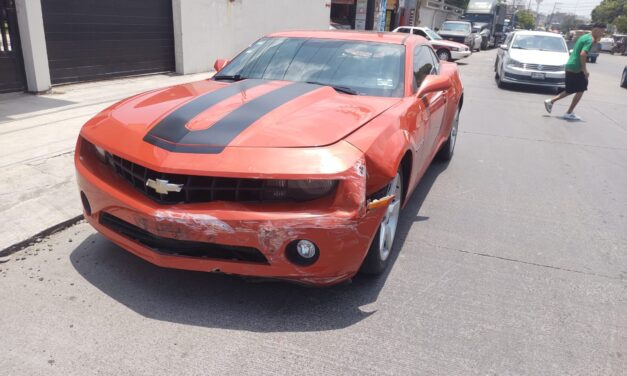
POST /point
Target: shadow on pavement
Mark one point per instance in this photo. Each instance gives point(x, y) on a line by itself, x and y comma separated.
point(544, 90)
point(19, 104)
point(218, 301)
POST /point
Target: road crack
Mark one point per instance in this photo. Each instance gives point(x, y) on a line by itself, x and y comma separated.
point(526, 262)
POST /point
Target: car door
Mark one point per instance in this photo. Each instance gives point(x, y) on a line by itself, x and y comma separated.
point(426, 63)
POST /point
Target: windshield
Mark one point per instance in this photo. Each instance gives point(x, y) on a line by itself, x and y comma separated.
point(432, 34)
point(539, 42)
point(366, 68)
point(456, 26)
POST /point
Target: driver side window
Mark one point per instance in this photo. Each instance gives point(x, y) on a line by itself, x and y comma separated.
point(424, 65)
point(420, 32)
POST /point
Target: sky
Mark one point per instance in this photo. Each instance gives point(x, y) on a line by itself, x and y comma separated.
point(578, 7)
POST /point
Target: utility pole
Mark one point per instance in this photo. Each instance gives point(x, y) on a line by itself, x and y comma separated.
point(537, 9)
point(552, 12)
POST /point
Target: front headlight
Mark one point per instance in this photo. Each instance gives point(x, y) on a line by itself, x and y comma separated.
point(297, 190)
point(87, 149)
point(514, 63)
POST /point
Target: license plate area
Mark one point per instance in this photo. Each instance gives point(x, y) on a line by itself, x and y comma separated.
point(537, 76)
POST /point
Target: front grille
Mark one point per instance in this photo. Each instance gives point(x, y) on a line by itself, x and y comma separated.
point(523, 78)
point(181, 247)
point(461, 40)
point(197, 189)
point(543, 68)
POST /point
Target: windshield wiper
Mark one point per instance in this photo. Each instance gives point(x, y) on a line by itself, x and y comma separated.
point(341, 89)
point(235, 77)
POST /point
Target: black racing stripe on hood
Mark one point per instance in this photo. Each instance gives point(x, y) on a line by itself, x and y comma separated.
point(172, 128)
point(215, 138)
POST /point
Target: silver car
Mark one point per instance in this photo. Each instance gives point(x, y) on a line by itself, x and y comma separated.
point(532, 58)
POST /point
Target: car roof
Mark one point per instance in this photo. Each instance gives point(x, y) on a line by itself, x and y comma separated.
point(364, 36)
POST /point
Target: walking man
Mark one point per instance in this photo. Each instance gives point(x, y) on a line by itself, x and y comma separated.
point(577, 72)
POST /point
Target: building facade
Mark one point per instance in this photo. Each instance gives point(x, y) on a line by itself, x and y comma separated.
point(48, 42)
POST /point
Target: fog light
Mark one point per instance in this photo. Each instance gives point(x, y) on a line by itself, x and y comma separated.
point(302, 252)
point(306, 249)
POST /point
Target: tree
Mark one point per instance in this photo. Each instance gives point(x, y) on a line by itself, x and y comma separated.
point(609, 10)
point(621, 24)
point(525, 19)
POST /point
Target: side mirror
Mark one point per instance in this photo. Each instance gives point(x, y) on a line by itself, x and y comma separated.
point(432, 84)
point(503, 46)
point(219, 64)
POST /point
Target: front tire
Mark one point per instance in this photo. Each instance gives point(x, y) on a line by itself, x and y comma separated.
point(623, 82)
point(446, 151)
point(499, 81)
point(379, 252)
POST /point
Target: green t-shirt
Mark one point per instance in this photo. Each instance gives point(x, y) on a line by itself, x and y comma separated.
point(584, 43)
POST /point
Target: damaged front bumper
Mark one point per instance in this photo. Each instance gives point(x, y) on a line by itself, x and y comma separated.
point(248, 239)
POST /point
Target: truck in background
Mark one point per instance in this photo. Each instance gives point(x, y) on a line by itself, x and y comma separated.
point(487, 18)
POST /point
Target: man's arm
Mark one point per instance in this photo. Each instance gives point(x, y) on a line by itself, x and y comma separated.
point(583, 59)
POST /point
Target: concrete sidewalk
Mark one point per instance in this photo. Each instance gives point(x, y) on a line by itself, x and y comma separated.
point(37, 138)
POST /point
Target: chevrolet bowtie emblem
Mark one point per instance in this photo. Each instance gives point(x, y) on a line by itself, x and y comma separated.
point(163, 186)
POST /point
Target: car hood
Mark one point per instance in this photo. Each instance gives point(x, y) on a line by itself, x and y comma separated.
point(447, 43)
point(538, 57)
point(208, 116)
point(444, 33)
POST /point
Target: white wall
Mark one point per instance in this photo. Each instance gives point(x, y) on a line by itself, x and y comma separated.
point(205, 30)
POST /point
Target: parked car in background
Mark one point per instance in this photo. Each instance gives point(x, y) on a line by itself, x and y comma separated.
point(461, 32)
point(293, 162)
point(606, 44)
point(445, 49)
point(623, 80)
point(532, 58)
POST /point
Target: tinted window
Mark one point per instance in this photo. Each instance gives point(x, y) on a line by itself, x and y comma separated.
point(369, 68)
point(403, 30)
point(423, 65)
point(436, 61)
point(420, 32)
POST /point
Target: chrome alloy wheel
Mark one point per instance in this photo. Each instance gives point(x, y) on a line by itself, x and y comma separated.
point(387, 229)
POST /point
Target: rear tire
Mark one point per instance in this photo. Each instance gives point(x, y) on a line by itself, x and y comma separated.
point(446, 151)
point(444, 54)
point(379, 252)
point(623, 82)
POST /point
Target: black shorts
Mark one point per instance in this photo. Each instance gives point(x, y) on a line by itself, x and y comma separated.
point(576, 82)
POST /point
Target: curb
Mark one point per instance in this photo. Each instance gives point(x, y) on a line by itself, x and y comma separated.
point(34, 239)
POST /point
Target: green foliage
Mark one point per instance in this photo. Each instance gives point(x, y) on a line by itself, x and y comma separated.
point(609, 10)
point(525, 19)
point(621, 24)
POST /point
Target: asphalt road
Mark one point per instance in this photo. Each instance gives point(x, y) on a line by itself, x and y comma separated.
point(510, 260)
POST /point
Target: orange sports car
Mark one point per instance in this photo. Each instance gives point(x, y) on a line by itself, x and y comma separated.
point(292, 162)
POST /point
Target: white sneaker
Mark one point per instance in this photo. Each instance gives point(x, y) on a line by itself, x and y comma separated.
point(571, 116)
point(548, 105)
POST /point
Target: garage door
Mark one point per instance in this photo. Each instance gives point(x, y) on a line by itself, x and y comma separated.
point(98, 39)
point(11, 64)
